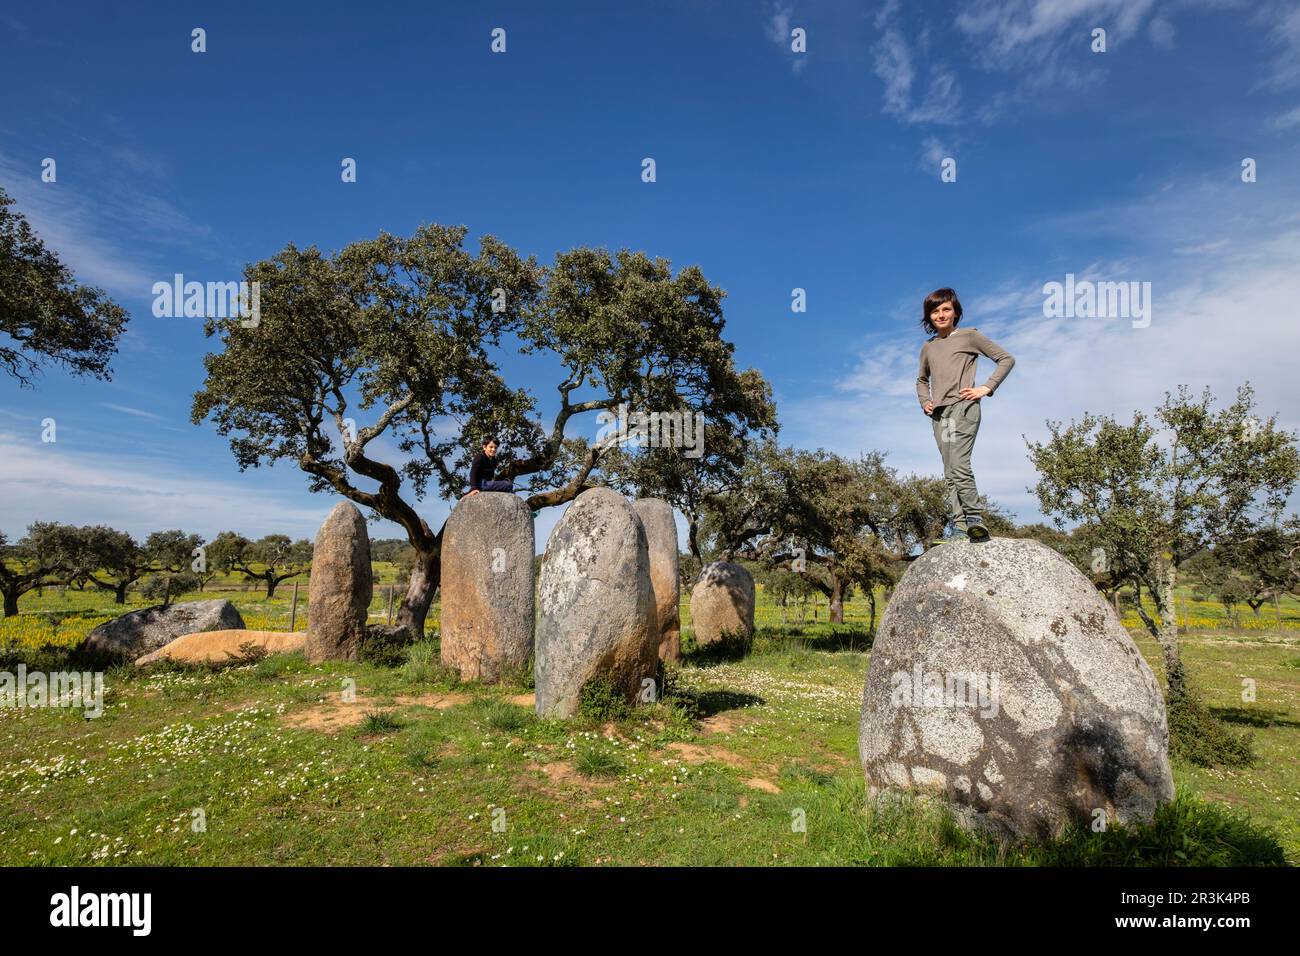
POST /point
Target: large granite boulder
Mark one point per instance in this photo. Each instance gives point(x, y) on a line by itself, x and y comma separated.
point(722, 603)
point(341, 587)
point(487, 586)
point(1003, 682)
point(597, 606)
point(141, 632)
point(661, 539)
point(216, 646)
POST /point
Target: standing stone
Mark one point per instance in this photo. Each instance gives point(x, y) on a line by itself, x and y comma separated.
point(722, 603)
point(487, 586)
point(597, 604)
point(341, 587)
point(1001, 681)
point(661, 538)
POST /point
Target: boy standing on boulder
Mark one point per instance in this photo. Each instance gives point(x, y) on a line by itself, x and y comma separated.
point(947, 392)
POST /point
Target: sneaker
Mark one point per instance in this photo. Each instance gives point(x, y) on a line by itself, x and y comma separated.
point(957, 535)
point(976, 531)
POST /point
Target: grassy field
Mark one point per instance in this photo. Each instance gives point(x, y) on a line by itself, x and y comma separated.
point(750, 761)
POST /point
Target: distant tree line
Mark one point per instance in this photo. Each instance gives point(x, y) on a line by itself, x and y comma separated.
point(165, 564)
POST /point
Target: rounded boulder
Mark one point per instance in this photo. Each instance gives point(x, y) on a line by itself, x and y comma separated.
point(722, 603)
point(1001, 681)
point(142, 632)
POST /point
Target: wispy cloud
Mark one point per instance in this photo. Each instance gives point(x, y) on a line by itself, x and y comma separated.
point(934, 98)
point(1288, 119)
point(1282, 23)
point(131, 411)
point(109, 231)
point(1161, 32)
point(51, 482)
point(1014, 33)
point(778, 27)
point(933, 153)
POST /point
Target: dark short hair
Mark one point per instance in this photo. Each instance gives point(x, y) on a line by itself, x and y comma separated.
point(490, 440)
point(935, 299)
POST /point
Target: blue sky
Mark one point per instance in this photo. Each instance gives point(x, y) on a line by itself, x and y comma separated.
point(775, 170)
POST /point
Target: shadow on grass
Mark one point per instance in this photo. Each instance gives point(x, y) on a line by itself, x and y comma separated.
point(710, 703)
point(728, 648)
point(701, 704)
point(1186, 832)
point(829, 638)
point(1254, 716)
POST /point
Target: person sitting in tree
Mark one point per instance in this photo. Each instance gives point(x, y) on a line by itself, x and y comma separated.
point(482, 473)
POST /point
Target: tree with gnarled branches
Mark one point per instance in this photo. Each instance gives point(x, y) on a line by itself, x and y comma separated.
point(407, 333)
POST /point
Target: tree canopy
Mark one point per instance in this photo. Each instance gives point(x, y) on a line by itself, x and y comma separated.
point(46, 316)
point(404, 338)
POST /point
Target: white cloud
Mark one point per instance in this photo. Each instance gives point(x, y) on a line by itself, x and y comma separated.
point(51, 482)
point(1288, 119)
point(1282, 20)
point(1161, 33)
point(139, 412)
point(1013, 31)
point(107, 235)
point(933, 153)
point(778, 27)
point(893, 64)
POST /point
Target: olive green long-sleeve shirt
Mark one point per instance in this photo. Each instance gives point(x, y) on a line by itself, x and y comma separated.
point(948, 366)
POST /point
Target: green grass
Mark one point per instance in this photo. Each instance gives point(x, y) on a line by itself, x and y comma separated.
point(597, 761)
point(744, 760)
point(379, 722)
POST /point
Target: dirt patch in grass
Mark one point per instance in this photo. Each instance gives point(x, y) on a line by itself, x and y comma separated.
point(524, 700)
point(559, 775)
point(333, 714)
point(758, 783)
point(721, 724)
point(435, 701)
point(694, 753)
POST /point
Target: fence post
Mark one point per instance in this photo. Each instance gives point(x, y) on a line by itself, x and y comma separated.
point(293, 611)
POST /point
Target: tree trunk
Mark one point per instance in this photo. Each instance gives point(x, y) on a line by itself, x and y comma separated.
point(119, 592)
point(271, 582)
point(692, 538)
point(871, 602)
point(11, 602)
point(836, 614)
point(1169, 628)
point(419, 592)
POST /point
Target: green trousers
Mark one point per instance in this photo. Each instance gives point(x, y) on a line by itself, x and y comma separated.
point(955, 428)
